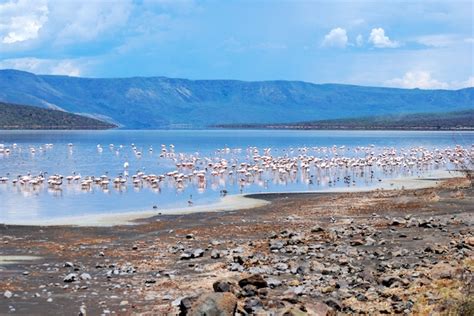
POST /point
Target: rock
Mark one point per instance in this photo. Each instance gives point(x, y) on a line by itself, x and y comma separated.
point(185, 305)
point(317, 229)
point(215, 254)
point(357, 242)
point(319, 309)
point(82, 311)
point(85, 276)
point(388, 281)
point(294, 311)
point(333, 303)
point(71, 277)
point(123, 303)
point(442, 271)
point(190, 236)
point(256, 280)
point(369, 241)
point(273, 283)
point(249, 290)
point(236, 267)
point(397, 222)
point(198, 253)
point(252, 305)
point(281, 266)
point(68, 264)
point(276, 244)
point(185, 256)
point(222, 286)
point(469, 241)
point(361, 297)
point(221, 304)
point(7, 294)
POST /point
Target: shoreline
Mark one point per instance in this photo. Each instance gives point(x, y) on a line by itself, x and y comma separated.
point(402, 246)
point(234, 203)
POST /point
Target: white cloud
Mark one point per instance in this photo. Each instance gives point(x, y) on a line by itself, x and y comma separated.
point(58, 22)
point(21, 20)
point(43, 66)
point(424, 80)
point(380, 40)
point(359, 40)
point(469, 82)
point(85, 20)
point(336, 38)
point(419, 79)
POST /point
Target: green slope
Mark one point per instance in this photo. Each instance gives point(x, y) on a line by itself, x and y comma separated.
point(458, 120)
point(15, 116)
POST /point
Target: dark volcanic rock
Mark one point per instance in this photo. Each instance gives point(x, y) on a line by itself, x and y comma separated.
point(257, 280)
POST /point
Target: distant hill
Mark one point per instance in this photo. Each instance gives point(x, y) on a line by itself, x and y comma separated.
point(15, 116)
point(159, 102)
point(460, 120)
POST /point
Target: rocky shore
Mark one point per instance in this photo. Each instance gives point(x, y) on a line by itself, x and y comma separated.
point(382, 252)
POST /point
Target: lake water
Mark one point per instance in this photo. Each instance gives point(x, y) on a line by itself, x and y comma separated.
point(85, 158)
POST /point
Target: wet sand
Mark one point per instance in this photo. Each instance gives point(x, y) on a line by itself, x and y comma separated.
point(385, 251)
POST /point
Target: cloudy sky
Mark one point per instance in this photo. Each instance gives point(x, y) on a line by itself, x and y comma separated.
point(425, 44)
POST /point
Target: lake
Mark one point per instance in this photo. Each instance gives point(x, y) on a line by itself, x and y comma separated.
point(89, 153)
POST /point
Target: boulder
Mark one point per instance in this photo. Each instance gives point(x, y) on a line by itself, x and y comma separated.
point(210, 304)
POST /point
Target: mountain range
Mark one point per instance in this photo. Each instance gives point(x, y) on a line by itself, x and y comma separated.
point(160, 102)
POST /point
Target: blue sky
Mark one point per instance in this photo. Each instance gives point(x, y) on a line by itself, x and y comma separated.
point(425, 44)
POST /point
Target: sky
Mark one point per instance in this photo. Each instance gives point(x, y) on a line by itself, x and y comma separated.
point(408, 44)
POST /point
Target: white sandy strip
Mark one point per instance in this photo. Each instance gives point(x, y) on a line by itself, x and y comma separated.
point(4, 260)
point(235, 202)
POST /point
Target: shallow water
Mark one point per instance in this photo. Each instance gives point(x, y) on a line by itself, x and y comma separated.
point(84, 158)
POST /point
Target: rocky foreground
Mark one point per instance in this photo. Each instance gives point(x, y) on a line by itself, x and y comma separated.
point(384, 252)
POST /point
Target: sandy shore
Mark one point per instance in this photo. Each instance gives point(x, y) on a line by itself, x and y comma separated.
point(234, 202)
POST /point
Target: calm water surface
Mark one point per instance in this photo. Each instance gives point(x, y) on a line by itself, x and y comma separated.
point(84, 158)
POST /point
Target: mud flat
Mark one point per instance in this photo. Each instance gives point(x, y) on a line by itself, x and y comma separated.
point(404, 250)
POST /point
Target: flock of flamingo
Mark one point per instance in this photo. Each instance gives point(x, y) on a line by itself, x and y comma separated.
point(312, 166)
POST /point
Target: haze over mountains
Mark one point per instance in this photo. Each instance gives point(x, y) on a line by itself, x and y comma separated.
point(159, 102)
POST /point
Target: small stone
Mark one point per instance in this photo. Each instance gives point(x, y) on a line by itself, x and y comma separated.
point(356, 242)
point(273, 283)
point(388, 281)
point(71, 277)
point(198, 253)
point(7, 294)
point(252, 305)
point(317, 229)
point(222, 286)
point(85, 276)
point(276, 245)
point(215, 254)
